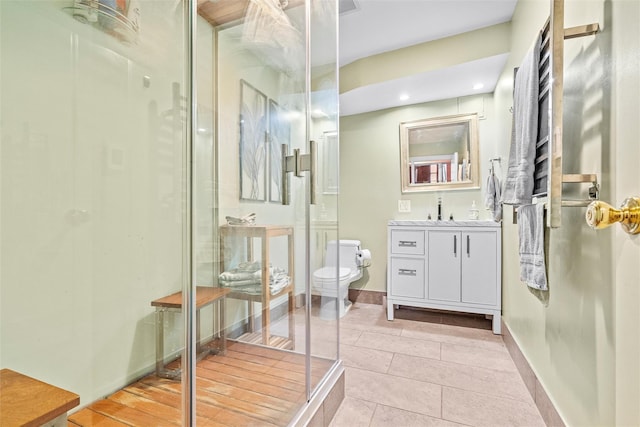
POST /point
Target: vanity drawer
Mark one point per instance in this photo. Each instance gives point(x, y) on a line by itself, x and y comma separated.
point(409, 242)
point(407, 278)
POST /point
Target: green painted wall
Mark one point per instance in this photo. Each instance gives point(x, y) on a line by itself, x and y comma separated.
point(574, 335)
point(370, 176)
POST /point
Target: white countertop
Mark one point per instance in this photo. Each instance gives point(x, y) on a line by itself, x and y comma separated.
point(443, 223)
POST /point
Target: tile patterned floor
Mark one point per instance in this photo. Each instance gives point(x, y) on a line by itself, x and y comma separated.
point(410, 372)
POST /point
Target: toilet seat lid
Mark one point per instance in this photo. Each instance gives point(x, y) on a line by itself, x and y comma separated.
point(329, 273)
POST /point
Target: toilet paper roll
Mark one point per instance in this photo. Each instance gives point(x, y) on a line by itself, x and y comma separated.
point(363, 258)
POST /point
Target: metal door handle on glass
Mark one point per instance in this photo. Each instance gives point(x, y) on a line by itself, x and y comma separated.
point(298, 163)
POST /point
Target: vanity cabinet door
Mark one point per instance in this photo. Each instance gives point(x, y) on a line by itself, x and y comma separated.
point(479, 267)
point(445, 254)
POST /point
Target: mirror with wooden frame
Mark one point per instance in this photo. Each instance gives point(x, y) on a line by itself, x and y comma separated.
point(439, 154)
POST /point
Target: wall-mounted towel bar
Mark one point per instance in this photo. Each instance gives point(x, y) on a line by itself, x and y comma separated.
point(581, 31)
point(594, 190)
point(548, 175)
point(492, 161)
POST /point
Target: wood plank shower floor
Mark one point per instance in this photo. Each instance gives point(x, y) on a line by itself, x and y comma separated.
point(249, 386)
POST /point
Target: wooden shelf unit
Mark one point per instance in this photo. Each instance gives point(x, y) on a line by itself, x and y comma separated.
point(264, 233)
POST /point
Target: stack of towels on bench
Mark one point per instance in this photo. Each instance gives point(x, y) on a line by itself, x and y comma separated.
point(247, 277)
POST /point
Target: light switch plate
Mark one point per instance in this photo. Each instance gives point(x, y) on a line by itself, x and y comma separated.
point(404, 206)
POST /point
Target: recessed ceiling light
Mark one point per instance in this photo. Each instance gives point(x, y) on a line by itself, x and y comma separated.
point(404, 97)
point(478, 86)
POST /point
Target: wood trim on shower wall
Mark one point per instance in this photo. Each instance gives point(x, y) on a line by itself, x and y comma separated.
point(221, 12)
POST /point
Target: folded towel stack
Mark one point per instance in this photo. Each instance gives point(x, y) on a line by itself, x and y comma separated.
point(249, 219)
point(278, 280)
point(247, 277)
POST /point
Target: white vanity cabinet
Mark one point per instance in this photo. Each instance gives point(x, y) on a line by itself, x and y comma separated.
point(448, 265)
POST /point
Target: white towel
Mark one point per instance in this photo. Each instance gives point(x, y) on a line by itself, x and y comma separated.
point(531, 230)
point(247, 277)
point(518, 184)
point(492, 198)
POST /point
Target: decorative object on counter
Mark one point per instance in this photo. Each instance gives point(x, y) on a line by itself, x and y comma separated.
point(474, 213)
point(439, 208)
point(249, 219)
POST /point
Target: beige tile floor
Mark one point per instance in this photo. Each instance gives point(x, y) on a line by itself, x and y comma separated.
point(409, 373)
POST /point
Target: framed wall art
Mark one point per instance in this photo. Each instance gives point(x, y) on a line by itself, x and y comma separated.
point(253, 143)
point(279, 134)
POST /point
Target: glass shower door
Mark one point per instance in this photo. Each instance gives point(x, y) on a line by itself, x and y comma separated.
point(110, 214)
point(266, 87)
point(329, 300)
point(92, 199)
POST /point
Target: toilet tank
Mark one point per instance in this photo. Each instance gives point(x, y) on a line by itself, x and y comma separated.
point(348, 253)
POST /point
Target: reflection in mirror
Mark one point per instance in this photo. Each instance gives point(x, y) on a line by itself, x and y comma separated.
point(439, 153)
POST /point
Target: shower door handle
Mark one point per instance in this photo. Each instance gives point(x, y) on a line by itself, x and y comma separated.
point(287, 165)
point(309, 162)
point(298, 163)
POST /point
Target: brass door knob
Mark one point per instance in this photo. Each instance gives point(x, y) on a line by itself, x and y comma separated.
point(600, 215)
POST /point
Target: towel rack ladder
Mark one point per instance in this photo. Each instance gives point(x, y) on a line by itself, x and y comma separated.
point(549, 176)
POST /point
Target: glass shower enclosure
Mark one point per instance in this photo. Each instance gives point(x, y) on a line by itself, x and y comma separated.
point(168, 185)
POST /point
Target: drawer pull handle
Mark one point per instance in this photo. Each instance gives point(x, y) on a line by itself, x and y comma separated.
point(407, 244)
point(406, 272)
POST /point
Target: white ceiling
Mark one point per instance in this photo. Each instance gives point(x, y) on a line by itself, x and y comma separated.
point(378, 26)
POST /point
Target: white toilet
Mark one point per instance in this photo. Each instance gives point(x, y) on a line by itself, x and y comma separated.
point(324, 279)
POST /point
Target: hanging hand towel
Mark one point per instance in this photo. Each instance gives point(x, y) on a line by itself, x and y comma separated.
point(531, 231)
point(492, 198)
point(518, 184)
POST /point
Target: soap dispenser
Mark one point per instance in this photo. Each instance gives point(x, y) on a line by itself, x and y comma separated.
point(474, 213)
